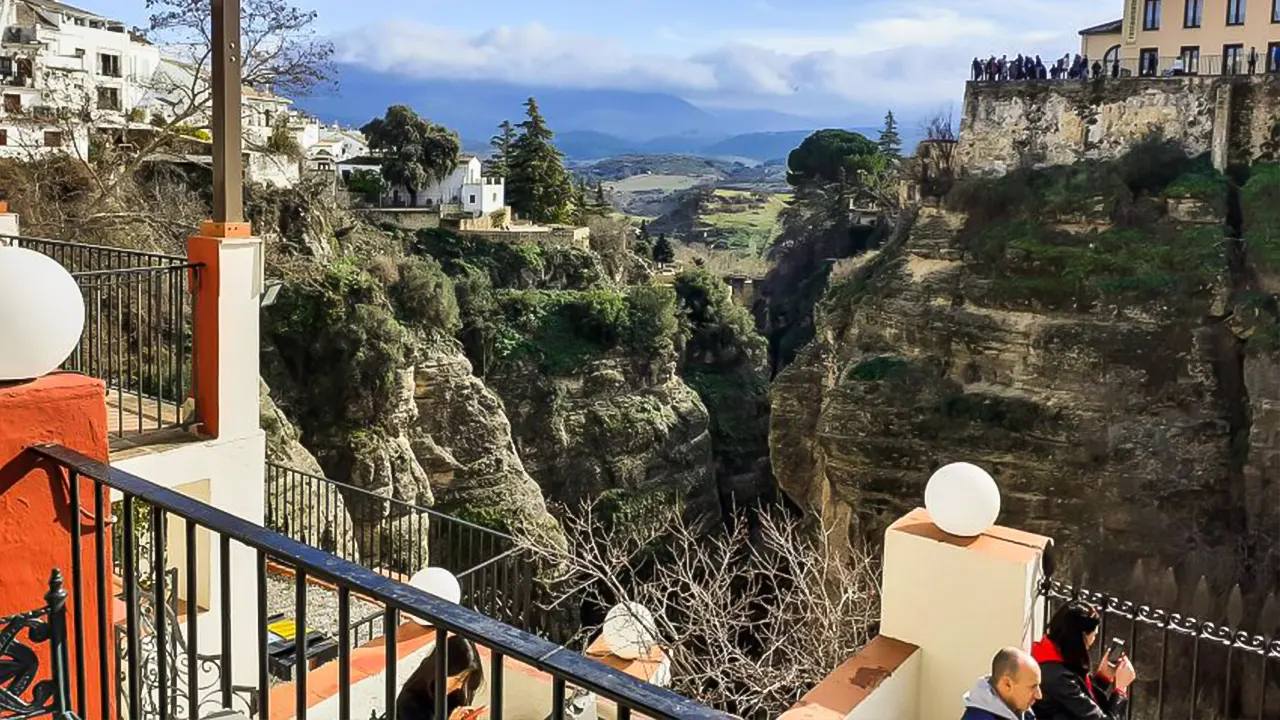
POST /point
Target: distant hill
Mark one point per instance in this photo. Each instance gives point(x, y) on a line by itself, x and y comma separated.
point(631, 165)
point(589, 124)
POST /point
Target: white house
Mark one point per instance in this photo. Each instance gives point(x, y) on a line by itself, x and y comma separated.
point(465, 190)
point(334, 145)
point(58, 59)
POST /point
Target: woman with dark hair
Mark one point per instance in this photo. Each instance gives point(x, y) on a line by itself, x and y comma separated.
point(1071, 691)
point(417, 700)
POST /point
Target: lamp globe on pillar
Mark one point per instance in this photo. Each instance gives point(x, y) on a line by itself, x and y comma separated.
point(962, 499)
point(41, 314)
point(439, 582)
point(629, 630)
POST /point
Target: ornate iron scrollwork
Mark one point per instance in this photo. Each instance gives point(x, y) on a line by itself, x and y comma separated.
point(207, 695)
point(20, 665)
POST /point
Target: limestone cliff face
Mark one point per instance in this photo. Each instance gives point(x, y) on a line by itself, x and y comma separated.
point(618, 424)
point(1118, 429)
point(319, 519)
point(1012, 125)
point(458, 416)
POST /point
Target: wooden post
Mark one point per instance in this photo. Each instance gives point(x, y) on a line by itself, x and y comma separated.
point(228, 178)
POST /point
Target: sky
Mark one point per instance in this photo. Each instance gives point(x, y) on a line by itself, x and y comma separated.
point(827, 58)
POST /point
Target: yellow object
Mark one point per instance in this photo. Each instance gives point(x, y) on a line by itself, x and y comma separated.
point(287, 629)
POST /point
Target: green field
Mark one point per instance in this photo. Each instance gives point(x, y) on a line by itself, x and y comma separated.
point(742, 221)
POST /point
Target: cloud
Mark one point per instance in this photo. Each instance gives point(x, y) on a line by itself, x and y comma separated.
point(909, 55)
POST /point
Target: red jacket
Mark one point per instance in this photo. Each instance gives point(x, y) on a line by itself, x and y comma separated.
point(1067, 694)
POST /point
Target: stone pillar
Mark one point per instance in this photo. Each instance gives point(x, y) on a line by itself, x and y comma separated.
point(36, 521)
point(959, 600)
point(228, 292)
point(1222, 127)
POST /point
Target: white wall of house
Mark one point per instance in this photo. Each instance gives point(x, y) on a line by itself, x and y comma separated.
point(487, 196)
point(26, 140)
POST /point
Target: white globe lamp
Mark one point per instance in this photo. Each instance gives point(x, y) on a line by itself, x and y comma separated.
point(629, 630)
point(439, 582)
point(962, 499)
point(41, 314)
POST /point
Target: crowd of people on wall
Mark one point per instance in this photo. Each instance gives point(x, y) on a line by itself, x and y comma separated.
point(1028, 67)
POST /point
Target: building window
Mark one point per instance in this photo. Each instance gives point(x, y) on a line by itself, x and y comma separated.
point(52, 139)
point(4, 137)
point(6, 66)
point(108, 65)
point(1273, 57)
point(1190, 56)
point(1232, 59)
point(1149, 62)
point(96, 24)
point(1193, 17)
point(13, 103)
point(1111, 60)
point(1235, 12)
point(1275, 11)
point(1151, 15)
point(473, 199)
point(108, 98)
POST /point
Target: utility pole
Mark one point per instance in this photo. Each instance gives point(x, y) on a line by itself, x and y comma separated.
point(228, 169)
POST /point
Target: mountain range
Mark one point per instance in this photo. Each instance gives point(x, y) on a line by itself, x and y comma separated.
point(589, 124)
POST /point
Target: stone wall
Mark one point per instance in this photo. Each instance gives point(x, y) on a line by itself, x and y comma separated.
point(1010, 125)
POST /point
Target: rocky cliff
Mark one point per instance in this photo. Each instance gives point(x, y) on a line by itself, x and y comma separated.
point(1077, 332)
point(613, 425)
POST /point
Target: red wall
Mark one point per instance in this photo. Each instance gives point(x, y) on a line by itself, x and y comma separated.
point(35, 515)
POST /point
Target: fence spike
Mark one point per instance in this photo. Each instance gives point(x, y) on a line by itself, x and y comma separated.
point(1138, 580)
point(1201, 601)
point(1270, 616)
point(1235, 607)
point(1168, 592)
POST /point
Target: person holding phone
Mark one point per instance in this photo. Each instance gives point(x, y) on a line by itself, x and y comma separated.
point(1071, 689)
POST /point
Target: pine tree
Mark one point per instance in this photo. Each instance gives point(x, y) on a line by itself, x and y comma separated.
point(602, 202)
point(663, 252)
point(581, 208)
point(538, 186)
point(644, 229)
point(890, 141)
point(500, 162)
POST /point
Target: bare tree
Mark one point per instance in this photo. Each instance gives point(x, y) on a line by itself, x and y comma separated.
point(751, 618)
point(936, 156)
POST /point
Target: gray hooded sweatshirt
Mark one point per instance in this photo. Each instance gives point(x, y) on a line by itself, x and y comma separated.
point(983, 697)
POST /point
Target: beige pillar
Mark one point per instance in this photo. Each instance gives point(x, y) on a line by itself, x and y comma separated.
point(959, 600)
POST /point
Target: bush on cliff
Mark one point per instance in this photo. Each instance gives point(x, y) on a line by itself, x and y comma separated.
point(1260, 205)
point(562, 331)
point(1071, 237)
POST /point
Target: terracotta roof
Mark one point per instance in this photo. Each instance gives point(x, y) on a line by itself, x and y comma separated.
point(1106, 28)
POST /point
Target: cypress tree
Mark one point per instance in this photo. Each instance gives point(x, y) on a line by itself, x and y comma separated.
point(890, 141)
point(538, 186)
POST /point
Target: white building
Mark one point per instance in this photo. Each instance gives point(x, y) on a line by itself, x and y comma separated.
point(57, 60)
point(335, 144)
point(465, 190)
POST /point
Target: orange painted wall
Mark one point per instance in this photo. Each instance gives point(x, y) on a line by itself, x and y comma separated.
point(35, 515)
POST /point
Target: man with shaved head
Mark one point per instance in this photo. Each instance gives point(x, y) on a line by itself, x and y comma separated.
point(1008, 692)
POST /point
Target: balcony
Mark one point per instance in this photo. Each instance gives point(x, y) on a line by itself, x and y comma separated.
point(138, 332)
point(170, 657)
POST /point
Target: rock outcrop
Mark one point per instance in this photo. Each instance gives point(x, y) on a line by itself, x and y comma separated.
point(1117, 424)
point(616, 425)
point(299, 505)
point(461, 423)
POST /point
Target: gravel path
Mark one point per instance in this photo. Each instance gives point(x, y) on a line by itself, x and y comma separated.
point(322, 608)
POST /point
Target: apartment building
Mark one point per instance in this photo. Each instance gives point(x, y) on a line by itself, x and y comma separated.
point(1191, 37)
point(58, 61)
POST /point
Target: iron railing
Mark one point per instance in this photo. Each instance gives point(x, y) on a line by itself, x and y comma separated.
point(22, 696)
point(566, 667)
point(1151, 66)
point(1187, 667)
point(383, 533)
point(137, 332)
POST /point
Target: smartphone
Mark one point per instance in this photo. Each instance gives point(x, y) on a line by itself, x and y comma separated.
point(1115, 651)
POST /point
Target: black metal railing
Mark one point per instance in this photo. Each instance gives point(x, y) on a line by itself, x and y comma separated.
point(137, 332)
point(1188, 667)
point(386, 534)
point(1163, 66)
point(21, 694)
point(566, 667)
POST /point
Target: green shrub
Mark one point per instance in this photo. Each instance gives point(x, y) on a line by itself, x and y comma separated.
point(1260, 204)
point(878, 368)
point(424, 295)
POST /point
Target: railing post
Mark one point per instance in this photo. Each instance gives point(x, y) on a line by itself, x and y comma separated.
point(60, 664)
point(226, 307)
